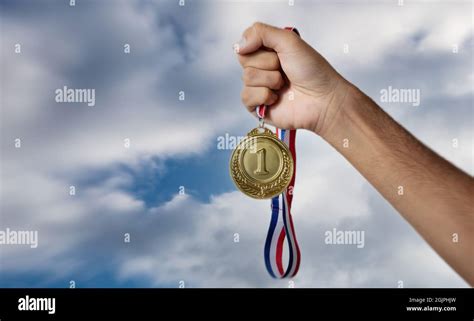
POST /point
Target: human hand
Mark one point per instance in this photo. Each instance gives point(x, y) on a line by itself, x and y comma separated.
point(282, 71)
point(278, 65)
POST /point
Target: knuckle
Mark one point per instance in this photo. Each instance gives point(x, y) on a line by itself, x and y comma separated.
point(267, 95)
point(257, 25)
point(272, 79)
point(250, 30)
point(249, 74)
point(245, 96)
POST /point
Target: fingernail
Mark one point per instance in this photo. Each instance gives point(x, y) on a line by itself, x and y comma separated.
point(241, 44)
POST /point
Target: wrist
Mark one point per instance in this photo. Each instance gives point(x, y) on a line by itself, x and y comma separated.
point(333, 120)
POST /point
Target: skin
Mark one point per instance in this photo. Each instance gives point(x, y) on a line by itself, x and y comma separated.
point(438, 197)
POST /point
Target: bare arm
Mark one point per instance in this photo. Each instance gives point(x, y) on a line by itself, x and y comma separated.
point(434, 196)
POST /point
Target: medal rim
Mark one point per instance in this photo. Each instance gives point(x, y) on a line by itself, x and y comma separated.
point(267, 134)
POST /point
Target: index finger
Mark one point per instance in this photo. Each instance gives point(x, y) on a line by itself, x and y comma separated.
point(261, 59)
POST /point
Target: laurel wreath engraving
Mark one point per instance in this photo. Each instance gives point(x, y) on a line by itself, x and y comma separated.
point(257, 189)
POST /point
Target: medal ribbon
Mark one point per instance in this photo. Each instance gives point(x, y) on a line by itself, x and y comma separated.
point(281, 222)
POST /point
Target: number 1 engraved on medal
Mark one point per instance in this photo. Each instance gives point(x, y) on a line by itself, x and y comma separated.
point(261, 164)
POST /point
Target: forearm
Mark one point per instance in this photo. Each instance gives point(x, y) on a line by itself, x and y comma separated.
point(431, 194)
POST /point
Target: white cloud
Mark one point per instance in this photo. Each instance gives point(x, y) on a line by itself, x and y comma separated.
point(185, 239)
point(129, 107)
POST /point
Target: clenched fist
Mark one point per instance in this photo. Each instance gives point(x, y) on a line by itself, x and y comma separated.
point(282, 71)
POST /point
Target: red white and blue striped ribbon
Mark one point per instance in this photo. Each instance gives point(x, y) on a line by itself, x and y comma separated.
point(281, 223)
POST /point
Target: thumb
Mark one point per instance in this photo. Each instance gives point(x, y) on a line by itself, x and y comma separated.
point(260, 34)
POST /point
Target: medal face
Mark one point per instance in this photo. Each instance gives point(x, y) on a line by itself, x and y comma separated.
point(261, 165)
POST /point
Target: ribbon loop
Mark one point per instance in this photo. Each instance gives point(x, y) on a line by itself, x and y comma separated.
point(260, 111)
point(281, 222)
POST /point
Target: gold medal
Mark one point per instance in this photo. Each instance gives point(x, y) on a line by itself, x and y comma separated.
point(261, 165)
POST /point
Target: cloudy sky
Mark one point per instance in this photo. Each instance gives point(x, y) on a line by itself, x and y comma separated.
point(173, 143)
